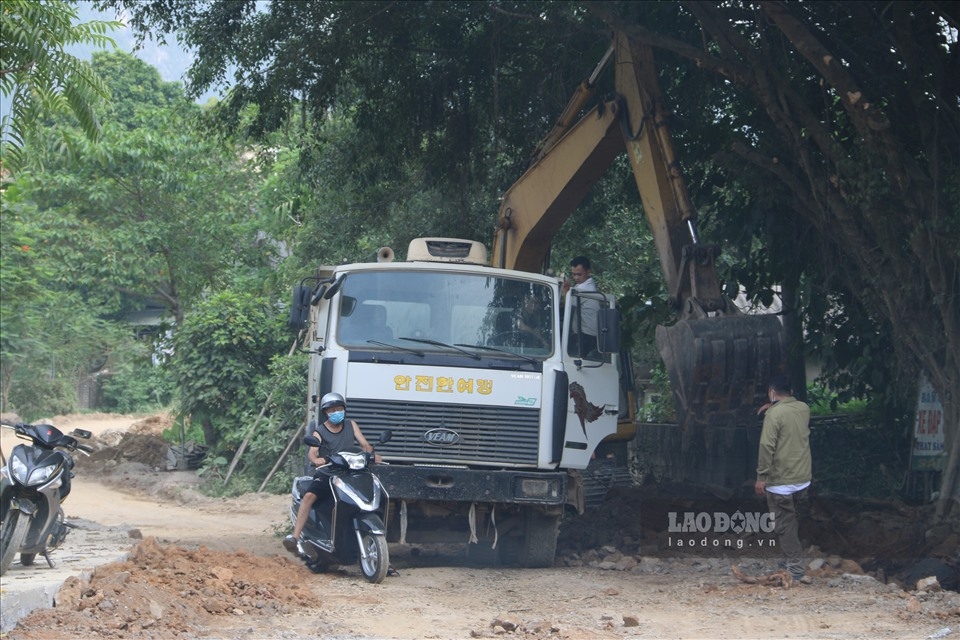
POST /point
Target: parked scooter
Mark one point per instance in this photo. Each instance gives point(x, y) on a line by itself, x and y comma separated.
point(349, 523)
point(33, 484)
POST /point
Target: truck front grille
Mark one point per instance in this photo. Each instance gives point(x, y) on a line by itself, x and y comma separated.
point(487, 435)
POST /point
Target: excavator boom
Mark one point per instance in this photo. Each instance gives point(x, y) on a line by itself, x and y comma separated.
point(719, 361)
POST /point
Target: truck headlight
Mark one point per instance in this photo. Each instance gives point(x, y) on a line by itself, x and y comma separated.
point(537, 488)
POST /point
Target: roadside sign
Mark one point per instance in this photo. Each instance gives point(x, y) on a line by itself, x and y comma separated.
point(928, 440)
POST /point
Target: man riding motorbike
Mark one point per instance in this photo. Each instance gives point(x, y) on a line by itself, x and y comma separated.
point(337, 434)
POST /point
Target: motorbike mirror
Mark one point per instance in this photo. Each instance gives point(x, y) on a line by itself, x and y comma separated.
point(81, 433)
point(311, 441)
point(385, 436)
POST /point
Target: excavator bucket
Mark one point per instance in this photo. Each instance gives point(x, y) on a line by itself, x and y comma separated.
point(720, 367)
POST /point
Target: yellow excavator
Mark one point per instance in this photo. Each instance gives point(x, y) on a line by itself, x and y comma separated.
point(718, 359)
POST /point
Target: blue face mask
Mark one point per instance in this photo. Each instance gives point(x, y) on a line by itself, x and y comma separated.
point(336, 417)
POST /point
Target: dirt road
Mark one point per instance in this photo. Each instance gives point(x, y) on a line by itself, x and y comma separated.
point(214, 568)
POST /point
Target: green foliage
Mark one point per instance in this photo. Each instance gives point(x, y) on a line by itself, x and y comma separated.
point(137, 385)
point(661, 408)
point(866, 455)
point(223, 350)
point(45, 363)
point(39, 77)
point(117, 213)
point(285, 415)
point(213, 468)
point(40, 393)
point(823, 402)
point(50, 341)
point(136, 89)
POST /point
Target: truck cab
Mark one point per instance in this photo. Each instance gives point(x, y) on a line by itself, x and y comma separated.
point(494, 399)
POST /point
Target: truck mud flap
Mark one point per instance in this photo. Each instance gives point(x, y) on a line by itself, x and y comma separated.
point(719, 367)
point(407, 482)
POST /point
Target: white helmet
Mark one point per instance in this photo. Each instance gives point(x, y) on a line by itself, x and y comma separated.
point(332, 400)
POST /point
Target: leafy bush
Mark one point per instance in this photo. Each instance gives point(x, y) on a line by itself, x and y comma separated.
point(281, 423)
point(222, 352)
point(662, 408)
point(823, 402)
point(41, 394)
point(138, 386)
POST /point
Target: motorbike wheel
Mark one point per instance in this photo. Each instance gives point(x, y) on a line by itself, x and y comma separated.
point(26, 559)
point(15, 527)
point(375, 566)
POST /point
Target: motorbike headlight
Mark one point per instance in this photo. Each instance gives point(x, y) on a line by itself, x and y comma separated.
point(40, 475)
point(354, 460)
point(18, 469)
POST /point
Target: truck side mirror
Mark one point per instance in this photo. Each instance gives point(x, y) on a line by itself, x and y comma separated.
point(608, 338)
point(300, 309)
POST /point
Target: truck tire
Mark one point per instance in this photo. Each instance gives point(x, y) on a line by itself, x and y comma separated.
point(482, 553)
point(14, 530)
point(538, 547)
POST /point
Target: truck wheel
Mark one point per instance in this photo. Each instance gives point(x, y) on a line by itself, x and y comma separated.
point(538, 547)
point(483, 554)
point(14, 530)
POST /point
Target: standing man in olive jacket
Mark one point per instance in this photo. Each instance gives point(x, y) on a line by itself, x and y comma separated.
point(784, 465)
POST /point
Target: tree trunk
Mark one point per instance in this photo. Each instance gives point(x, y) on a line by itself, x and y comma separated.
point(210, 436)
point(793, 334)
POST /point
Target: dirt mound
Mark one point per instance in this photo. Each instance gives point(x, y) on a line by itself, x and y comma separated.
point(153, 425)
point(170, 592)
point(114, 449)
point(142, 442)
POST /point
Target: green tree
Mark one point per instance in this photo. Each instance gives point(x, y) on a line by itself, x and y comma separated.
point(157, 210)
point(50, 340)
point(135, 88)
point(821, 138)
point(860, 134)
point(39, 77)
point(223, 350)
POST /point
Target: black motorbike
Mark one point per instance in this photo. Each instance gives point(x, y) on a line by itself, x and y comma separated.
point(347, 524)
point(33, 484)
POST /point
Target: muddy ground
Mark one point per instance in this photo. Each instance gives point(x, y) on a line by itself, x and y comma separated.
point(203, 567)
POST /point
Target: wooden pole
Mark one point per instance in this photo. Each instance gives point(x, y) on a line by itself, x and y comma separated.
point(283, 456)
point(253, 427)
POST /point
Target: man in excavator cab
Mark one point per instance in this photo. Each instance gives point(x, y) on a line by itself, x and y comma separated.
point(583, 343)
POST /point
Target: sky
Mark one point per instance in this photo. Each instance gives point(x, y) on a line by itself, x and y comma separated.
point(170, 60)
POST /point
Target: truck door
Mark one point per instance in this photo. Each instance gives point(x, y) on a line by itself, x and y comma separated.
point(590, 360)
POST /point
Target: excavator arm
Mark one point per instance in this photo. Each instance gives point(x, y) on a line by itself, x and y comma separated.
point(718, 360)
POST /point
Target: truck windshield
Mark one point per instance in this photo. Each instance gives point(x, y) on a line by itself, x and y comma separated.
point(378, 309)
